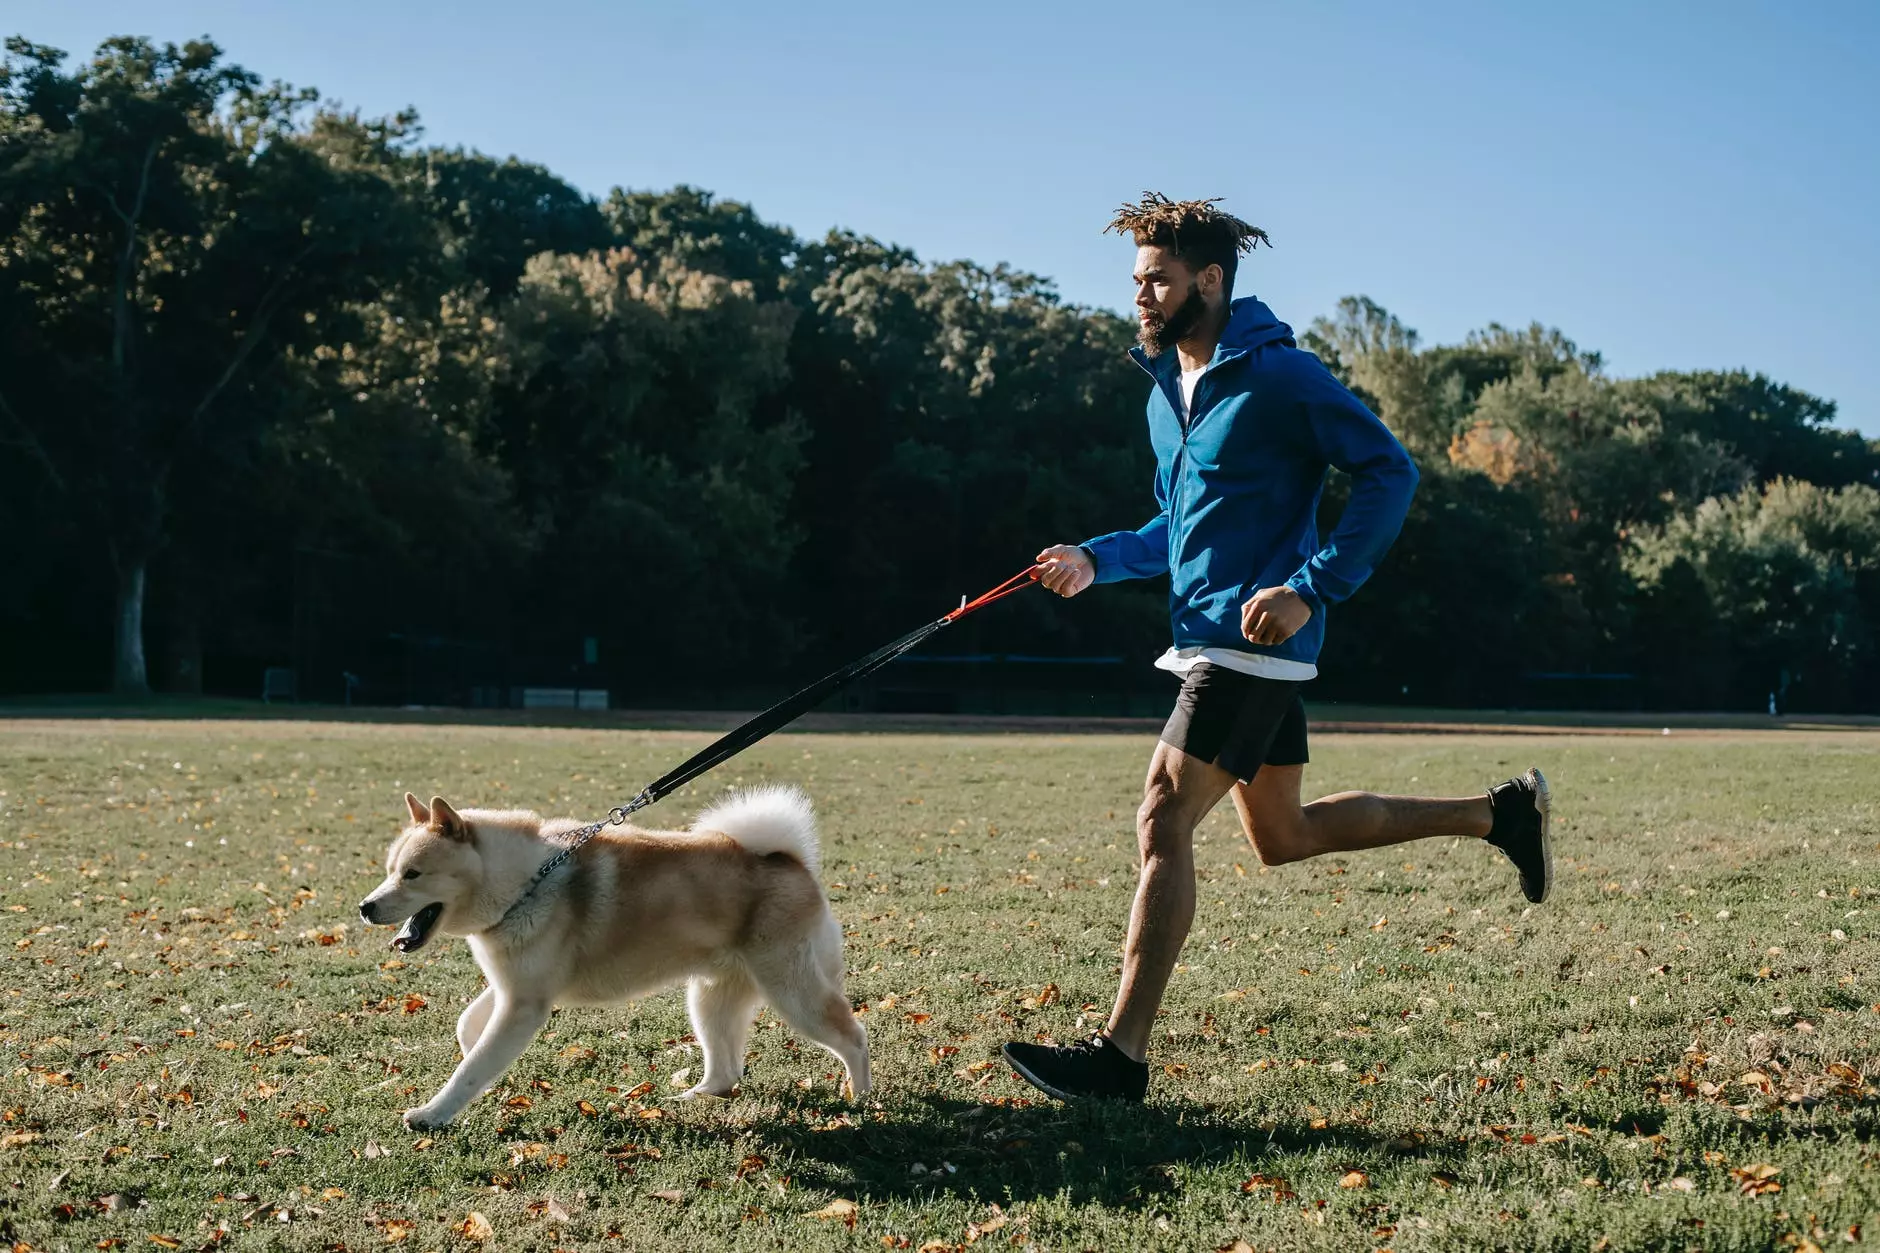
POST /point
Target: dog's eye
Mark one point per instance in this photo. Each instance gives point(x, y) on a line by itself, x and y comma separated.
point(409, 874)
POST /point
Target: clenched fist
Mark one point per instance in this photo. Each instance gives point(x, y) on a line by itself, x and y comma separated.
point(1068, 569)
point(1274, 615)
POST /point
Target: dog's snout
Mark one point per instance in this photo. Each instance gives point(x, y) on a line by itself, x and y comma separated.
point(369, 910)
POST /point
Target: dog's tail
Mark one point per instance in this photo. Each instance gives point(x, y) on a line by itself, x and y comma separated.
point(767, 820)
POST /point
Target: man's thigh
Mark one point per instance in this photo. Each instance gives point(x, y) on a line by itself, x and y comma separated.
point(1271, 813)
point(1180, 789)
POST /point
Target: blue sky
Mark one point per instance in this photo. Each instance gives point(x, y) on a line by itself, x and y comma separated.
point(1678, 185)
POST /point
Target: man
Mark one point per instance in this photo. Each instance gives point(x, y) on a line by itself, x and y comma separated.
point(1244, 425)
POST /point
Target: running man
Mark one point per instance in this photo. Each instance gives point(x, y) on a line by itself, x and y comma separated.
point(1244, 425)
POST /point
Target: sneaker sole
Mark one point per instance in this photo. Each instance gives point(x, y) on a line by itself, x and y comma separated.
point(1057, 1094)
point(1543, 801)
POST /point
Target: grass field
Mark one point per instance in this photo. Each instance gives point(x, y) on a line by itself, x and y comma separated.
point(1385, 1051)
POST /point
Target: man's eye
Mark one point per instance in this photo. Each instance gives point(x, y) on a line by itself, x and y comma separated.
point(409, 874)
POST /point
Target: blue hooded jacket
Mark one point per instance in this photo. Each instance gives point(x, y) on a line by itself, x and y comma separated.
point(1239, 487)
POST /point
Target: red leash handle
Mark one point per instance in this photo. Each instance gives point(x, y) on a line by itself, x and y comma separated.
point(1012, 586)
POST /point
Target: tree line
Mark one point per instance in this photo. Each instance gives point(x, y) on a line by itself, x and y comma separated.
point(281, 384)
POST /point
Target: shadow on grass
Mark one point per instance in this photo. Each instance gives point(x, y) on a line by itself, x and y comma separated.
point(1109, 1154)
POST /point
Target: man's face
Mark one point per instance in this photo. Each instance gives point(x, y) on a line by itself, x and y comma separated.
point(1170, 304)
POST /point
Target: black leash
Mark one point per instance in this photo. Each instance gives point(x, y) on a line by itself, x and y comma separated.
point(743, 736)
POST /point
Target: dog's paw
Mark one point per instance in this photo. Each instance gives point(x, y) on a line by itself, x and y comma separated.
point(700, 1090)
point(424, 1118)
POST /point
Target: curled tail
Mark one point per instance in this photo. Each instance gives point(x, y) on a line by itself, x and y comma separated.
point(767, 820)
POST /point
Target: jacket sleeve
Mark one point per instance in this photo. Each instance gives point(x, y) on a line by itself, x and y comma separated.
point(1383, 481)
point(1138, 554)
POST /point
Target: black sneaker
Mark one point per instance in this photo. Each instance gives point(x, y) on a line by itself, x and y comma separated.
point(1520, 806)
point(1088, 1068)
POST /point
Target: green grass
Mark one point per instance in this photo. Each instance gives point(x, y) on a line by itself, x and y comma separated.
point(203, 1039)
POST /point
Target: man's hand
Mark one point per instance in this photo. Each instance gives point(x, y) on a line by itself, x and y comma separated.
point(1273, 615)
point(1068, 569)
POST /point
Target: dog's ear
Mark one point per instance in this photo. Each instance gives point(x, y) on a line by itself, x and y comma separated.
point(419, 813)
point(448, 820)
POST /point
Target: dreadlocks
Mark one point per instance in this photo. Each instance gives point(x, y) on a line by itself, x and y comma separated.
point(1194, 230)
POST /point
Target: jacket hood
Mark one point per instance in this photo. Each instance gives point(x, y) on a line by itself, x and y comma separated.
point(1250, 325)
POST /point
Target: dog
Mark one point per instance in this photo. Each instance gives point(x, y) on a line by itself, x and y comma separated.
point(732, 907)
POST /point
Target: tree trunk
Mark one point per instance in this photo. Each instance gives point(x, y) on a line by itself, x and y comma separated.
point(128, 674)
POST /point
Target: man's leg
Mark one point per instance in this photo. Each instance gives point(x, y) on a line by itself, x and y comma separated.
point(1283, 830)
point(1178, 795)
point(1180, 792)
point(1513, 816)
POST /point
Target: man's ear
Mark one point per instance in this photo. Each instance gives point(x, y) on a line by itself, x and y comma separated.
point(1213, 279)
point(447, 820)
point(419, 813)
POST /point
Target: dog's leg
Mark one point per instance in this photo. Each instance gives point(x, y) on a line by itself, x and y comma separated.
point(474, 1018)
point(721, 1008)
point(805, 986)
point(511, 1026)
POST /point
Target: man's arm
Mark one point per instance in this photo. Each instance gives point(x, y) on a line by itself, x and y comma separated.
point(1138, 554)
point(1383, 481)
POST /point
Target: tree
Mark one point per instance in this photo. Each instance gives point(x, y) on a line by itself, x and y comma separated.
point(1779, 431)
point(627, 414)
point(171, 230)
point(498, 214)
point(702, 232)
point(1791, 573)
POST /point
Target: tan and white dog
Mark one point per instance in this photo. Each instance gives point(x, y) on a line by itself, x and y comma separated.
point(732, 906)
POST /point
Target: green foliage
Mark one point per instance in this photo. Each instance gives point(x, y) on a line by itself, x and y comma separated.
point(1789, 575)
point(320, 388)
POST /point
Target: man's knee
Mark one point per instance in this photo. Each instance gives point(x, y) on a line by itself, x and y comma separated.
point(1278, 838)
point(1163, 827)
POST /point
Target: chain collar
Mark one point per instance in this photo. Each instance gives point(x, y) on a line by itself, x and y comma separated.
point(615, 817)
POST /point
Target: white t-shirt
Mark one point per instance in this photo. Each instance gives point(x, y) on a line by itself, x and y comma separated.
point(1182, 660)
point(1189, 379)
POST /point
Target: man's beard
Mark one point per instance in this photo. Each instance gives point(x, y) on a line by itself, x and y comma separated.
point(1160, 334)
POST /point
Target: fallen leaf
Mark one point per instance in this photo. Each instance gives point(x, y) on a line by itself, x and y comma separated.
point(680, 1078)
point(476, 1227)
point(670, 1194)
point(1238, 1246)
point(168, 1242)
point(1680, 1184)
point(14, 1139)
point(579, 1052)
point(1354, 1179)
point(1443, 1179)
point(840, 1209)
point(976, 1230)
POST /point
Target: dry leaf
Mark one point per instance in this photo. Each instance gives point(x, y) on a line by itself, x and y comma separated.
point(579, 1052)
point(14, 1139)
point(670, 1194)
point(1354, 1179)
point(976, 1230)
point(476, 1227)
point(1238, 1246)
point(840, 1209)
point(168, 1242)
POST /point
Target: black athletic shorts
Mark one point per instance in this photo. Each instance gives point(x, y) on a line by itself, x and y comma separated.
point(1239, 722)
